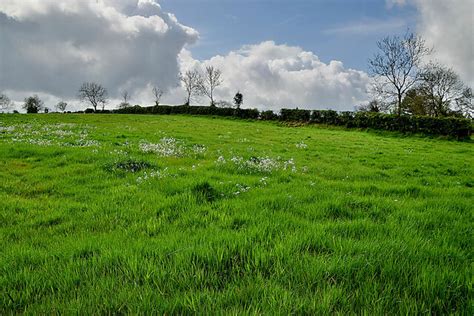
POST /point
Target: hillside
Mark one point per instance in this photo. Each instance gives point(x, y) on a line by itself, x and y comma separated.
point(179, 214)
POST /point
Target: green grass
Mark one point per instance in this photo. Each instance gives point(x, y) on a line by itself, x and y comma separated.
point(237, 217)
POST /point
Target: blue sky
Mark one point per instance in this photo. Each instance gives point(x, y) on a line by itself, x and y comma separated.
point(345, 30)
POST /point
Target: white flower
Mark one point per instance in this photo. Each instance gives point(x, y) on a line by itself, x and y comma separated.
point(258, 164)
point(199, 149)
point(167, 147)
point(301, 145)
point(220, 160)
point(157, 174)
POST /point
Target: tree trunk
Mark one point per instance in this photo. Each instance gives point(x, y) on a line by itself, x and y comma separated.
point(399, 112)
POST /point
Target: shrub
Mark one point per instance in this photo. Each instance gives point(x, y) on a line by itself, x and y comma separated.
point(329, 117)
point(247, 113)
point(268, 115)
point(33, 104)
point(346, 119)
point(447, 126)
point(131, 110)
point(295, 115)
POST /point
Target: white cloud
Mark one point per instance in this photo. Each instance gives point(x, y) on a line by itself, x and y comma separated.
point(51, 47)
point(274, 76)
point(448, 26)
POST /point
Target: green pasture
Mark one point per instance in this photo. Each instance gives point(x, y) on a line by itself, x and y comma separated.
point(136, 214)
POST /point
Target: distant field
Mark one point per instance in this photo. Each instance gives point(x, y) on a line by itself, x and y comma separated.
point(115, 214)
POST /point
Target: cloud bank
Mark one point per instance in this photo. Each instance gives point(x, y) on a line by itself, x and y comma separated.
point(53, 46)
point(272, 76)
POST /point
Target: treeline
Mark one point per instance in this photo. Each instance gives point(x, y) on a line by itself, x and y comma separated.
point(459, 128)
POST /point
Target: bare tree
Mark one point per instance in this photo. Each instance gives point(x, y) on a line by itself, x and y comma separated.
point(464, 103)
point(5, 102)
point(157, 94)
point(441, 87)
point(192, 82)
point(212, 79)
point(61, 106)
point(125, 98)
point(93, 93)
point(397, 64)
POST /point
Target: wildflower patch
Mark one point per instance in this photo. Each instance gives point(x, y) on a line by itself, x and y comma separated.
point(154, 174)
point(256, 164)
point(171, 147)
point(66, 134)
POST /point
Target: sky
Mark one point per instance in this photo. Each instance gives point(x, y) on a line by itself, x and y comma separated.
point(279, 53)
point(345, 30)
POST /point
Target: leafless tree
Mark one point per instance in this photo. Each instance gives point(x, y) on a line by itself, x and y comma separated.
point(442, 87)
point(192, 82)
point(157, 94)
point(125, 98)
point(5, 102)
point(212, 79)
point(93, 93)
point(396, 66)
point(464, 103)
point(61, 106)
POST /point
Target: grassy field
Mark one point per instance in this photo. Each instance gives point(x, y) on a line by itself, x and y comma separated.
point(110, 214)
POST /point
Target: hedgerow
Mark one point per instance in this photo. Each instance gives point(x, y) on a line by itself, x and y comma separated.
point(443, 126)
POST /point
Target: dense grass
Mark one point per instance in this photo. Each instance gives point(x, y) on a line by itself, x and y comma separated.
point(176, 214)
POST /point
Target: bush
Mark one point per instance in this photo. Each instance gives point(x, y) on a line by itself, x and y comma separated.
point(446, 126)
point(346, 119)
point(295, 115)
point(131, 110)
point(247, 113)
point(104, 111)
point(33, 104)
point(268, 116)
point(329, 117)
